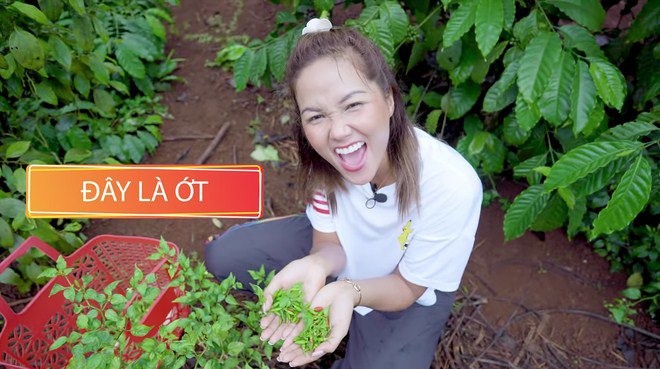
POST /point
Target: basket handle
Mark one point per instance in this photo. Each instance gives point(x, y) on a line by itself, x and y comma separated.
point(30, 242)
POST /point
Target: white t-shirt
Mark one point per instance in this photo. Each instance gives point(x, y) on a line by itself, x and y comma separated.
point(431, 246)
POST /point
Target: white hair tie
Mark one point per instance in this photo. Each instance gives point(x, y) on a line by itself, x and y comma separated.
point(317, 25)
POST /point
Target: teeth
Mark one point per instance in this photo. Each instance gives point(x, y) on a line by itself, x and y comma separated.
point(347, 150)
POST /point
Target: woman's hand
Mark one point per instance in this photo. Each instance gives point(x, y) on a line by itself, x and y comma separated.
point(341, 298)
point(306, 271)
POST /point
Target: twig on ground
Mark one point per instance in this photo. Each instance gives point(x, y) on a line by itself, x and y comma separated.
point(216, 140)
point(187, 137)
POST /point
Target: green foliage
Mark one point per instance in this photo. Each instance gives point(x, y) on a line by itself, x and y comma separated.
point(218, 332)
point(289, 307)
point(77, 85)
point(538, 97)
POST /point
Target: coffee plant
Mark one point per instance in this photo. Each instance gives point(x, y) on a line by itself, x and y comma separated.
point(78, 84)
point(532, 90)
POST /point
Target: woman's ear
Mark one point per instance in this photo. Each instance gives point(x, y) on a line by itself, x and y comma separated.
point(389, 99)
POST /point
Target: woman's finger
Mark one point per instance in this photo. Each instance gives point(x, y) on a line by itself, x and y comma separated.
point(270, 329)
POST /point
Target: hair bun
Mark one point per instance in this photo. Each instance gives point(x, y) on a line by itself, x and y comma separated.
point(317, 25)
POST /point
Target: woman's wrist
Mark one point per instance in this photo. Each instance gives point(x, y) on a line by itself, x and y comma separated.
point(355, 289)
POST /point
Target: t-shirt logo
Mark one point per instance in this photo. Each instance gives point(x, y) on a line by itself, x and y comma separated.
point(404, 237)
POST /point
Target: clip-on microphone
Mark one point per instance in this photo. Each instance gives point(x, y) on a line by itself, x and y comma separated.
point(378, 197)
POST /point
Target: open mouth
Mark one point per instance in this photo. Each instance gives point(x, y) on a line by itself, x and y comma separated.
point(352, 157)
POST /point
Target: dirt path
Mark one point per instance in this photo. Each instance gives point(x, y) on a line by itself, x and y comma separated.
point(554, 276)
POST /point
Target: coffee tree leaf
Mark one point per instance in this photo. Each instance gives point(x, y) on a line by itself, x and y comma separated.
point(460, 22)
point(586, 159)
point(589, 13)
point(583, 97)
point(537, 64)
point(629, 198)
point(524, 210)
point(610, 83)
point(488, 23)
point(556, 99)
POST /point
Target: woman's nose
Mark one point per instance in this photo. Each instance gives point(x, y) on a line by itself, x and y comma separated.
point(340, 127)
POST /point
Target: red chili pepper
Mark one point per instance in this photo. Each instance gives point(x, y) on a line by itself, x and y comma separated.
point(318, 308)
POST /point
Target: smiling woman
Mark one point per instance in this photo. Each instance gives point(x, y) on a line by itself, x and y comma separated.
point(390, 221)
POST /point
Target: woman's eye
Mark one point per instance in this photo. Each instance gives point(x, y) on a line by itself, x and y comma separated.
point(314, 118)
point(353, 105)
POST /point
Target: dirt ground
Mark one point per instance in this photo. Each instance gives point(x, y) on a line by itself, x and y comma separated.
point(527, 290)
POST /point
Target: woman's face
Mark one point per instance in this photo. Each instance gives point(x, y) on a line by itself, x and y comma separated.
point(346, 119)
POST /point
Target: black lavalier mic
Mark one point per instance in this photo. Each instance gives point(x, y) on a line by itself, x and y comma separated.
point(378, 197)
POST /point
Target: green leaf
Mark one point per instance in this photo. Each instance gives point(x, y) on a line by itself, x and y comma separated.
point(104, 102)
point(589, 13)
point(140, 330)
point(586, 159)
point(378, 32)
point(99, 69)
point(528, 27)
point(78, 138)
point(460, 22)
point(9, 276)
point(492, 158)
point(470, 57)
point(489, 19)
point(472, 124)
point(242, 68)
point(26, 49)
point(150, 142)
point(16, 149)
point(504, 91)
point(512, 134)
point(277, 57)
point(258, 66)
point(83, 33)
point(460, 99)
point(449, 57)
point(508, 13)
point(635, 280)
point(51, 8)
point(627, 131)
point(30, 11)
point(596, 118)
point(417, 54)
point(60, 51)
point(552, 216)
point(583, 97)
point(140, 46)
point(6, 234)
point(76, 155)
point(82, 84)
point(156, 27)
point(601, 177)
point(265, 153)
point(134, 147)
point(575, 216)
point(555, 102)
point(526, 115)
point(58, 343)
point(432, 121)
point(78, 6)
point(628, 199)
point(537, 64)
point(45, 92)
point(632, 293)
point(478, 142)
point(118, 86)
point(646, 23)
point(610, 83)
point(526, 168)
point(397, 20)
point(523, 211)
point(130, 62)
point(576, 37)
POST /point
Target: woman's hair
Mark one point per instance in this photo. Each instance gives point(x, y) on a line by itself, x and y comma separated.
point(314, 171)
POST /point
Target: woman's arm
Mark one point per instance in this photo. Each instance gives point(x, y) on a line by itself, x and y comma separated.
point(389, 293)
point(327, 253)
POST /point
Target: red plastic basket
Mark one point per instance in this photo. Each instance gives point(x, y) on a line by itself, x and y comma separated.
point(27, 335)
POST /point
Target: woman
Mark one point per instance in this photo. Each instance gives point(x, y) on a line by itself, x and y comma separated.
point(392, 213)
